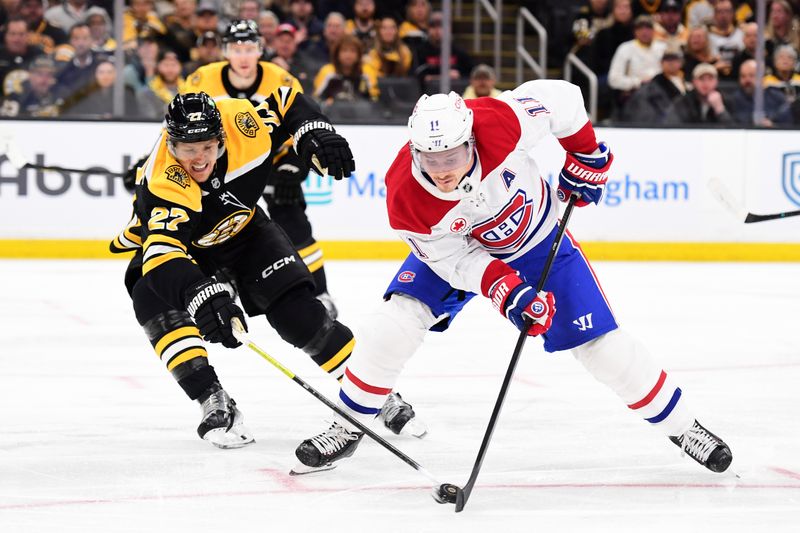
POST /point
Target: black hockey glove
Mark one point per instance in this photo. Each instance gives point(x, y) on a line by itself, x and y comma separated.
point(212, 308)
point(288, 177)
point(325, 150)
point(129, 178)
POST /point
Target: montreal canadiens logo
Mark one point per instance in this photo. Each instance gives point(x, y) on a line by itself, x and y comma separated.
point(507, 228)
point(406, 276)
point(458, 225)
point(537, 308)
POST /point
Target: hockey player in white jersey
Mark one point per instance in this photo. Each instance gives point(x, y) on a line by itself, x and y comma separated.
point(468, 198)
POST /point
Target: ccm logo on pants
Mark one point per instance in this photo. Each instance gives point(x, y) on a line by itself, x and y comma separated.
point(277, 265)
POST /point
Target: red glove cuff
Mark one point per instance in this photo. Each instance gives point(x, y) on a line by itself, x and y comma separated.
point(496, 270)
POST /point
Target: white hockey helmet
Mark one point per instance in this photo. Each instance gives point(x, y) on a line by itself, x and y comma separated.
point(440, 122)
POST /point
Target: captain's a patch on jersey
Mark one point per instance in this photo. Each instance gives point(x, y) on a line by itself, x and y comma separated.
point(246, 123)
point(177, 174)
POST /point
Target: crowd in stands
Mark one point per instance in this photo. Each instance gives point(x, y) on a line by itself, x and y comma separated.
point(59, 59)
point(690, 62)
point(658, 61)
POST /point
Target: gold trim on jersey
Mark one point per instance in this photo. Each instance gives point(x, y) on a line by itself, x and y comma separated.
point(227, 228)
point(168, 180)
point(127, 240)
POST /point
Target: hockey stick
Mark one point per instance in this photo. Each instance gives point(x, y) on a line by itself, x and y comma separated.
point(462, 494)
point(723, 194)
point(239, 333)
point(18, 160)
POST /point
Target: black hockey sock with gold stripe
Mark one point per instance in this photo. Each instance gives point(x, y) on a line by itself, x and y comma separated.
point(177, 342)
point(332, 351)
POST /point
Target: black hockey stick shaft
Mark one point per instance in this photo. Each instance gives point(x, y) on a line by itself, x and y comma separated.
point(751, 217)
point(78, 170)
point(239, 332)
point(463, 495)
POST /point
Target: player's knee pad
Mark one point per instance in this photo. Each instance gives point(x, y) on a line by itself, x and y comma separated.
point(620, 361)
point(390, 336)
point(176, 340)
point(299, 317)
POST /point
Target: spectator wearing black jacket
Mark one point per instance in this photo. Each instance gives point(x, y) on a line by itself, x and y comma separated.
point(702, 105)
point(776, 108)
point(649, 104)
point(429, 56)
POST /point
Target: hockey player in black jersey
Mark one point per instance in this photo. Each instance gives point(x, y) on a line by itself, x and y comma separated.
point(244, 75)
point(195, 212)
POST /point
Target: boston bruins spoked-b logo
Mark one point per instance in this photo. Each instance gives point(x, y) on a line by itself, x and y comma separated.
point(177, 174)
point(227, 228)
point(246, 123)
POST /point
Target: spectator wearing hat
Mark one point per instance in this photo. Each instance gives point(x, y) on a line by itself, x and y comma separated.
point(40, 32)
point(725, 37)
point(67, 13)
point(181, 36)
point(776, 108)
point(363, 24)
point(16, 54)
point(97, 99)
point(206, 17)
point(346, 77)
point(784, 75)
point(320, 50)
point(100, 28)
point(36, 97)
point(668, 24)
point(429, 56)
point(159, 92)
point(703, 104)
point(636, 61)
point(140, 18)
point(208, 50)
point(482, 81)
point(389, 57)
point(307, 26)
point(295, 61)
point(268, 23)
point(649, 104)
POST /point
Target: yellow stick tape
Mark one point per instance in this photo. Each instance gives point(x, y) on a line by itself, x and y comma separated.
point(396, 250)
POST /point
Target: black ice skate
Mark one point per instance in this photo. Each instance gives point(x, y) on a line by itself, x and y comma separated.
point(398, 415)
point(223, 424)
point(321, 452)
point(705, 448)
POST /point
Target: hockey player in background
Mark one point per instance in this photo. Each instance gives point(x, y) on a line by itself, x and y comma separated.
point(195, 212)
point(467, 197)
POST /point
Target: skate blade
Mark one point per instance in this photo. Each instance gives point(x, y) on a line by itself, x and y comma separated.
point(301, 470)
point(231, 439)
point(415, 428)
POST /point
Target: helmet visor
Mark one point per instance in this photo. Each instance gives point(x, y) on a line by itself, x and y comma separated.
point(445, 161)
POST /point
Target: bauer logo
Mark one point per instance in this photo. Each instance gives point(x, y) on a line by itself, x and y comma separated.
point(318, 190)
point(406, 276)
point(791, 176)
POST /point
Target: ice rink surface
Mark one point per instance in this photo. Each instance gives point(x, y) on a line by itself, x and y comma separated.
point(96, 436)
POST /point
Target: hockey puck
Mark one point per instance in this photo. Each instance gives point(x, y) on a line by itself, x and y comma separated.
point(446, 493)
